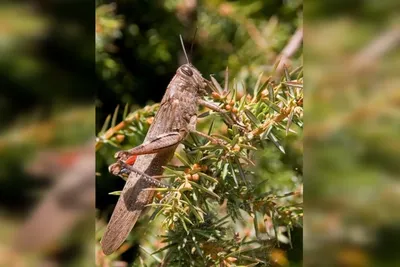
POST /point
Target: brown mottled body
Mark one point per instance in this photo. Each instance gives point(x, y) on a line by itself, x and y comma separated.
point(175, 118)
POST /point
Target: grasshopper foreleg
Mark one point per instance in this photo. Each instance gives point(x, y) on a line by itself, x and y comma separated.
point(213, 107)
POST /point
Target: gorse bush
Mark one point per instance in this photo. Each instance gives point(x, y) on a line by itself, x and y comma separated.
point(235, 194)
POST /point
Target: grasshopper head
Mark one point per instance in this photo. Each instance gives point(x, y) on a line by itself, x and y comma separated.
point(192, 77)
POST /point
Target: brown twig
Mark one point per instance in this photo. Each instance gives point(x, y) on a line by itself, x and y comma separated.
point(277, 118)
point(110, 132)
point(255, 34)
point(375, 50)
point(380, 101)
point(292, 46)
point(120, 126)
point(67, 202)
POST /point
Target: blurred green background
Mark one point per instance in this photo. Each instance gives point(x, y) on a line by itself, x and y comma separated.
point(352, 132)
point(47, 74)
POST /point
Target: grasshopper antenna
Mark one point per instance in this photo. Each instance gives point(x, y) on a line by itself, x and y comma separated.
point(184, 51)
point(191, 46)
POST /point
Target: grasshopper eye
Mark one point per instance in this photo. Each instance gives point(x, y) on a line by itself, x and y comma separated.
point(186, 70)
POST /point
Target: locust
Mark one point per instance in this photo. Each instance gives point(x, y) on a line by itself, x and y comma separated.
point(175, 119)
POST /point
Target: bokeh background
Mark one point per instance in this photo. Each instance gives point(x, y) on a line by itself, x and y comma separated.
point(47, 74)
point(137, 53)
point(351, 138)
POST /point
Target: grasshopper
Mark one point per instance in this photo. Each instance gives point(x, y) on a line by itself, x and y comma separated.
point(175, 119)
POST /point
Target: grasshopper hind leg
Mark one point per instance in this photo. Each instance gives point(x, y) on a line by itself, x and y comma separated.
point(155, 145)
point(123, 170)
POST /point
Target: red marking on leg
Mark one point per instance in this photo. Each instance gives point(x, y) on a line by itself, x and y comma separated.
point(131, 160)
